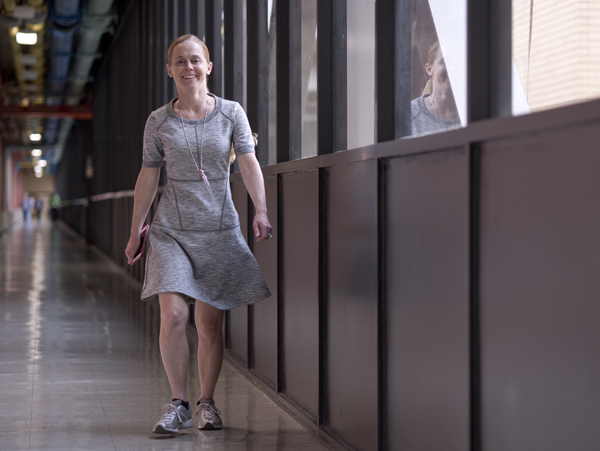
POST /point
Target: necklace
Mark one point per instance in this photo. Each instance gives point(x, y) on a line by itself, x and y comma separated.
point(437, 117)
point(200, 170)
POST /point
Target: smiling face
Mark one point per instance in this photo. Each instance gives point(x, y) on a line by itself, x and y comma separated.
point(189, 66)
point(437, 70)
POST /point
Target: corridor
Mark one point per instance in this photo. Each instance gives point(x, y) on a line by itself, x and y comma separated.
point(80, 367)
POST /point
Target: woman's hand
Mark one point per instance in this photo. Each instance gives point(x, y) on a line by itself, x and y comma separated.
point(262, 227)
point(132, 246)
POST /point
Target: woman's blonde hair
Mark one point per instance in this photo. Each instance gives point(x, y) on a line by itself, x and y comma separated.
point(431, 56)
point(187, 37)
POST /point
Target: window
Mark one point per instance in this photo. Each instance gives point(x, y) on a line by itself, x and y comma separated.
point(439, 76)
point(309, 77)
point(556, 53)
point(361, 72)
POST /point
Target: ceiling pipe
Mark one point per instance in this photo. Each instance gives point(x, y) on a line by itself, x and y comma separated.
point(64, 17)
point(96, 21)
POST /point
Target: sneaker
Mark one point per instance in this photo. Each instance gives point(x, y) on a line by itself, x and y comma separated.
point(177, 416)
point(209, 415)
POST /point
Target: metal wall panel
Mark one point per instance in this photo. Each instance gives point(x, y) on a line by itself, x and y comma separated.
point(237, 318)
point(299, 233)
point(352, 303)
point(427, 236)
point(264, 316)
point(539, 292)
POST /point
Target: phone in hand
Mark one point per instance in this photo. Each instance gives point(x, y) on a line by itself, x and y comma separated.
point(140, 251)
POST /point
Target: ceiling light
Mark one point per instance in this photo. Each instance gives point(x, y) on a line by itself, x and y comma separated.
point(30, 74)
point(37, 169)
point(42, 163)
point(39, 174)
point(24, 12)
point(28, 60)
point(25, 38)
point(35, 137)
point(36, 152)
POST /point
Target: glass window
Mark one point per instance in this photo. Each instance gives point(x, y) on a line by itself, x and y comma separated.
point(439, 68)
point(272, 88)
point(360, 72)
point(309, 77)
point(556, 53)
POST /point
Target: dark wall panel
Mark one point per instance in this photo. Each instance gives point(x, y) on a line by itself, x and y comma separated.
point(265, 312)
point(352, 299)
point(237, 326)
point(299, 232)
point(427, 217)
point(540, 260)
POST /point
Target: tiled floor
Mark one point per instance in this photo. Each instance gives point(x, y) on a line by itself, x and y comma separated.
point(80, 367)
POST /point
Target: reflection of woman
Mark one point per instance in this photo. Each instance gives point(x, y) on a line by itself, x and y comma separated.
point(435, 111)
point(195, 248)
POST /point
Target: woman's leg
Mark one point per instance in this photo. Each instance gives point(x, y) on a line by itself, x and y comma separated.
point(209, 323)
point(174, 313)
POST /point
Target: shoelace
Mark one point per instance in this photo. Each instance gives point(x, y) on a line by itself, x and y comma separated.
point(208, 412)
point(171, 412)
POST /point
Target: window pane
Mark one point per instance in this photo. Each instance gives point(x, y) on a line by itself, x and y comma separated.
point(272, 24)
point(556, 53)
point(309, 77)
point(439, 69)
point(361, 72)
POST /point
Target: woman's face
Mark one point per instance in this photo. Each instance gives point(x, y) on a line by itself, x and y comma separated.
point(188, 66)
point(439, 73)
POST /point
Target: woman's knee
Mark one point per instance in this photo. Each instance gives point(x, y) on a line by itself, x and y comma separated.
point(173, 314)
point(209, 329)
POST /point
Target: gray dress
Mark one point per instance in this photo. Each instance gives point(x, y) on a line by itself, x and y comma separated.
point(195, 245)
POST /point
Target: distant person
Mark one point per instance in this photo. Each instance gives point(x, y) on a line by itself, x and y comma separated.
point(195, 248)
point(435, 111)
point(26, 206)
point(54, 205)
point(39, 206)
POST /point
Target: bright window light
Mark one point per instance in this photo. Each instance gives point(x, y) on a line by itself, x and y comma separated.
point(36, 152)
point(35, 137)
point(26, 38)
point(42, 163)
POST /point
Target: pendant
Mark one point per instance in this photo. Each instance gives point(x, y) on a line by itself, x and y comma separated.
point(205, 178)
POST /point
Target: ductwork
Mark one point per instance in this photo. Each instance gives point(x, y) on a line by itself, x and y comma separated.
point(64, 18)
point(96, 21)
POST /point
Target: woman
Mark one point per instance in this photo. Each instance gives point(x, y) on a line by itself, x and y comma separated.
point(436, 110)
point(195, 248)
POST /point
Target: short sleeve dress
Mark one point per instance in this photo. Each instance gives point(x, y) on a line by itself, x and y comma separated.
point(195, 245)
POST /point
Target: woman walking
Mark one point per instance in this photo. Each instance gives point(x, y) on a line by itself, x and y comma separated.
point(195, 248)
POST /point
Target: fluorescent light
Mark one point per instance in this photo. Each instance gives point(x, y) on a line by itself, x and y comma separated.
point(36, 152)
point(26, 38)
point(30, 75)
point(35, 137)
point(28, 60)
point(42, 163)
point(24, 12)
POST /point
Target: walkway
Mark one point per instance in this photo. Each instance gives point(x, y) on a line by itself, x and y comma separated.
point(80, 366)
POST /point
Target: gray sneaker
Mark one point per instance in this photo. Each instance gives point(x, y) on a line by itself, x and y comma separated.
point(209, 415)
point(177, 416)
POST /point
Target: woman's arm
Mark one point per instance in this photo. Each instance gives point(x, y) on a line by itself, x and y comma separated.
point(253, 179)
point(145, 190)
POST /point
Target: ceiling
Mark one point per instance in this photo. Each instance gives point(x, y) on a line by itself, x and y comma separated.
point(45, 86)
